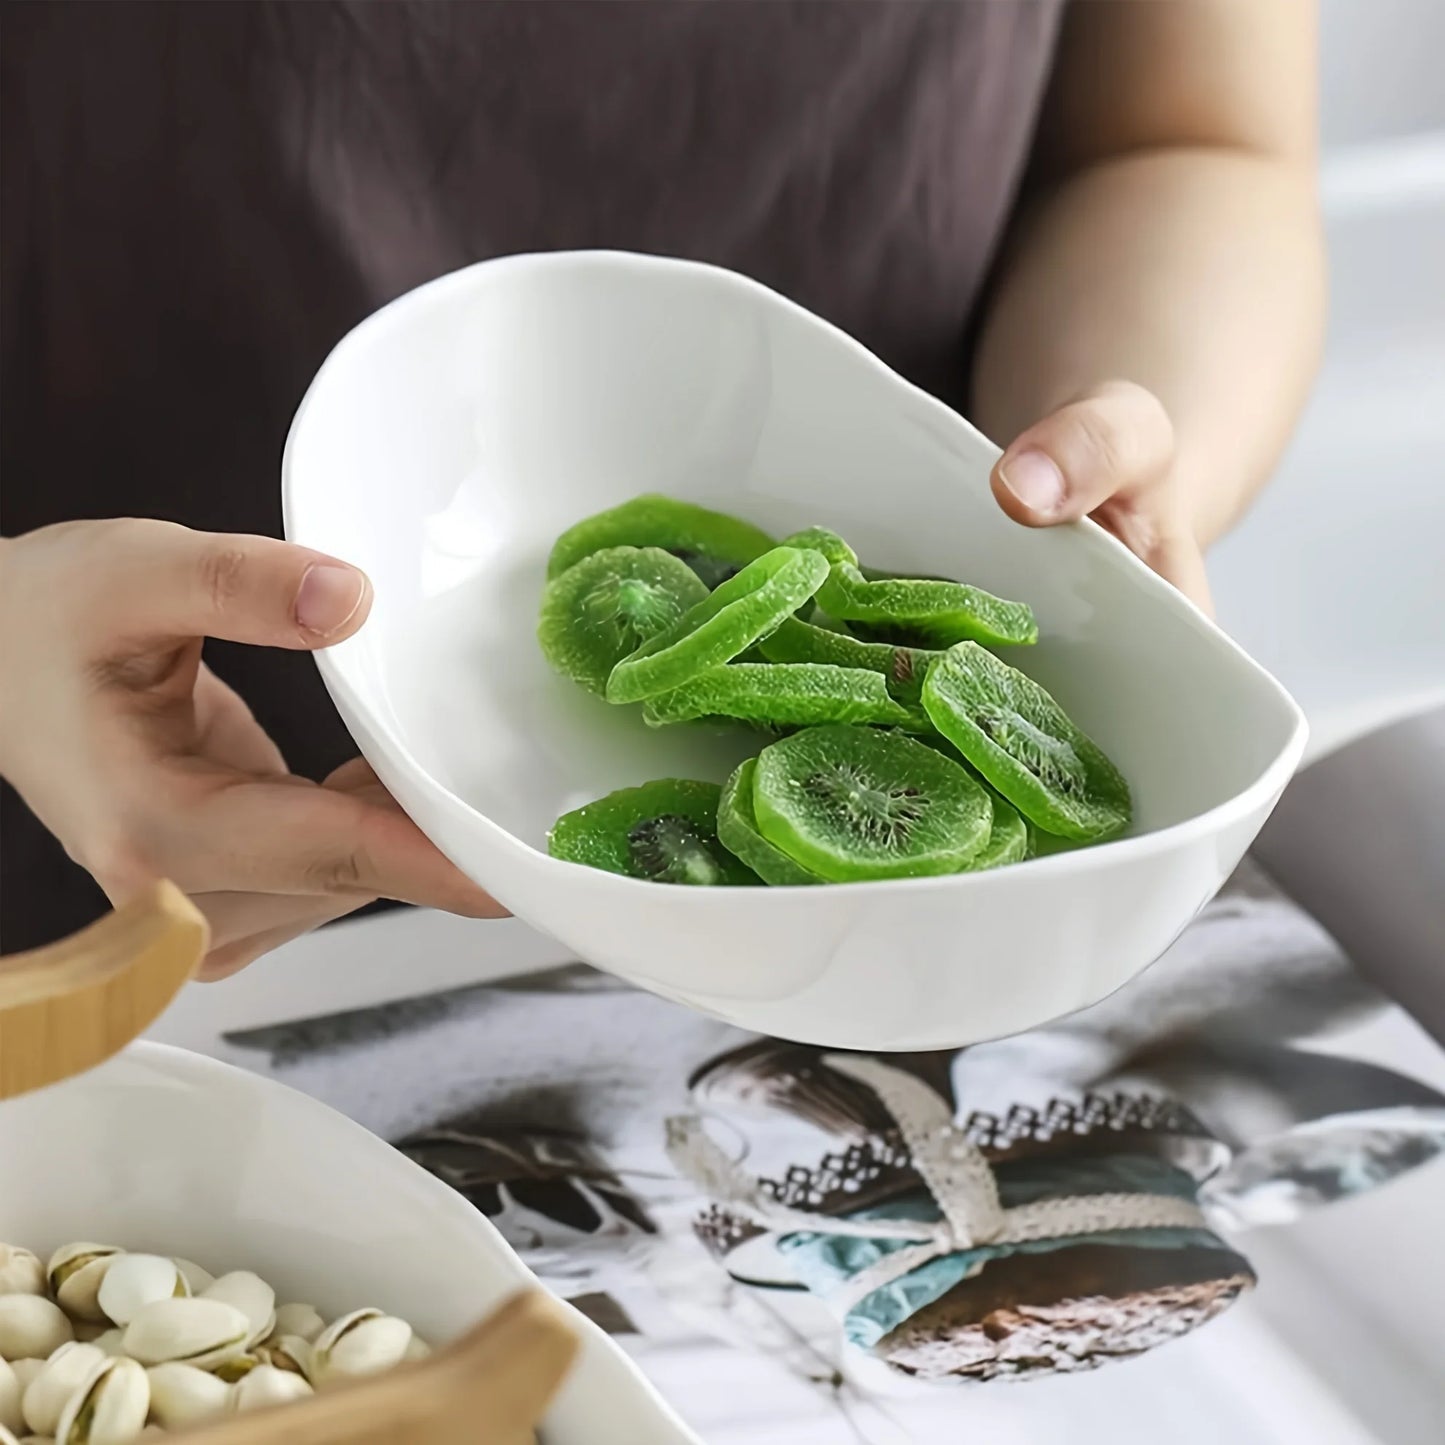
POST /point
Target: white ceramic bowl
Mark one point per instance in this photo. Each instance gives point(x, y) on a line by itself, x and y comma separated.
point(168, 1151)
point(450, 438)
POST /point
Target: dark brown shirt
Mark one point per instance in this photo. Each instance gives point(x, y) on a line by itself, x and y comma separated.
point(200, 199)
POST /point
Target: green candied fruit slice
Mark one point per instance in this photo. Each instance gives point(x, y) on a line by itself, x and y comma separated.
point(929, 614)
point(853, 803)
point(713, 544)
point(664, 831)
point(737, 830)
point(1024, 743)
point(820, 539)
point(608, 605)
point(1008, 839)
point(727, 622)
point(902, 667)
point(802, 694)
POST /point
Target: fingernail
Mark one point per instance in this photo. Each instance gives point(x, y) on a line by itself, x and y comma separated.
point(1035, 481)
point(328, 597)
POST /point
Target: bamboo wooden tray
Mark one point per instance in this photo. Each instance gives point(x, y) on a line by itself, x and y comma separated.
point(70, 1006)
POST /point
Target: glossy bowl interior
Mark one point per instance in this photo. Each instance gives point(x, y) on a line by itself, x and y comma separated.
point(164, 1150)
point(451, 437)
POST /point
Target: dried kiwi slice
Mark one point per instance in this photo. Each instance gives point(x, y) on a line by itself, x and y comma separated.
point(1008, 839)
point(923, 613)
point(802, 694)
point(737, 831)
point(1024, 743)
point(820, 539)
point(855, 803)
point(903, 667)
point(665, 831)
point(713, 544)
point(608, 605)
point(725, 623)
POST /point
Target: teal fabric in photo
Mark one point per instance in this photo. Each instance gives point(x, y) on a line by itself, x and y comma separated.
point(823, 1262)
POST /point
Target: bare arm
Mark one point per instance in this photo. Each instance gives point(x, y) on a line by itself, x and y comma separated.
point(1170, 239)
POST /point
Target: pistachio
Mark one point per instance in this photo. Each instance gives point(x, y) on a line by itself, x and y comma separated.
point(110, 1408)
point(361, 1343)
point(182, 1395)
point(290, 1353)
point(10, 1393)
point(238, 1366)
point(134, 1280)
point(417, 1349)
point(20, 1271)
point(266, 1385)
point(7, 1437)
point(297, 1319)
point(75, 1272)
point(31, 1327)
point(64, 1373)
point(26, 1371)
point(250, 1294)
point(111, 1341)
point(195, 1331)
point(198, 1279)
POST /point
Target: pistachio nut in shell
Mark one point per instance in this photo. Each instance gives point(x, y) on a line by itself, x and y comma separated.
point(182, 1395)
point(135, 1280)
point(266, 1385)
point(196, 1331)
point(75, 1272)
point(20, 1271)
point(64, 1373)
point(7, 1436)
point(237, 1366)
point(290, 1353)
point(297, 1319)
point(198, 1278)
point(110, 1408)
point(10, 1393)
point(112, 1341)
point(26, 1371)
point(361, 1343)
point(250, 1294)
point(418, 1349)
point(31, 1327)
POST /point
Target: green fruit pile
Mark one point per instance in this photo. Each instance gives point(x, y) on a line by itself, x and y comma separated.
point(904, 748)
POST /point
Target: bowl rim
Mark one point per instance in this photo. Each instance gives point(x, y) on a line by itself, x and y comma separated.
point(206, 1073)
point(1256, 796)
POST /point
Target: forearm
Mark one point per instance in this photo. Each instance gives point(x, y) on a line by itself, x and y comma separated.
point(1196, 273)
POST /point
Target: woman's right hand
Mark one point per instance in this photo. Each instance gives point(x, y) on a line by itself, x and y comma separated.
point(146, 766)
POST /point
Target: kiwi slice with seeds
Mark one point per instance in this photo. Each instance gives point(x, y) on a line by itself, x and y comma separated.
point(664, 831)
point(801, 694)
point(725, 623)
point(1024, 743)
point(920, 613)
point(737, 830)
point(903, 668)
point(713, 544)
point(855, 803)
point(608, 605)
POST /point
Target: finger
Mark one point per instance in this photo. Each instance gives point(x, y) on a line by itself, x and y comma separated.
point(152, 581)
point(235, 916)
point(232, 957)
point(1153, 528)
point(1117, 440)
point(289, 836)
point(227, 729)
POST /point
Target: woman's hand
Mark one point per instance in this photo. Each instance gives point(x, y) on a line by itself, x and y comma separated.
point(145, 765)
point(1109, 455)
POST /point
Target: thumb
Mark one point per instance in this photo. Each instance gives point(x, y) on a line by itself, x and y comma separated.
point(1116, 440)
point(154, 580)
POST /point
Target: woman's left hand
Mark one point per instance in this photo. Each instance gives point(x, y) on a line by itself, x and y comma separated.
point(1109, 455)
